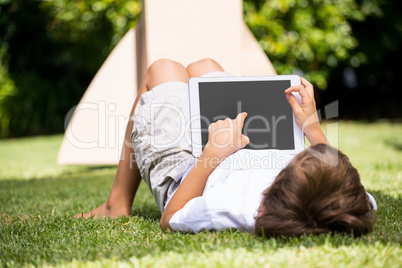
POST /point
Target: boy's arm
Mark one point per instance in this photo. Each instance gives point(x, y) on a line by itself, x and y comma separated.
point(306, 114)
point(224, 138)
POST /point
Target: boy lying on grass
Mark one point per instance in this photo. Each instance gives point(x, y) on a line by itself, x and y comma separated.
point(319, 191)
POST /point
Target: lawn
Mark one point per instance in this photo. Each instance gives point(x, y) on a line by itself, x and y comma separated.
point(38, 199)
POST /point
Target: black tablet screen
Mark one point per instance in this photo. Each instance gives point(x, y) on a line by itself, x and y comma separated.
point(269, 123)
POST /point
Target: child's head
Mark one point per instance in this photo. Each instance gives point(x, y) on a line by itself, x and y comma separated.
point(318, 192)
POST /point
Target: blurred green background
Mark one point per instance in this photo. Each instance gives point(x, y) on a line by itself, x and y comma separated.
point(50, 51)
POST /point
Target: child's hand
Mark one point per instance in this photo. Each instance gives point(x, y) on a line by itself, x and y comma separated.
point(225, 137)
point(306, 114)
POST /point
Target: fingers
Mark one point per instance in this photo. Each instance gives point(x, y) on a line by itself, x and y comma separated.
point(232, 127)
point(240, 121)
point(301, 89)
point(293, 103)
point(240, 118)
point(306, 89)
point(308, 85)
point(235, 124)
point(244, 140)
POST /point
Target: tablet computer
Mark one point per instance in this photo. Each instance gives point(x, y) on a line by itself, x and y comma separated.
point(270, 122)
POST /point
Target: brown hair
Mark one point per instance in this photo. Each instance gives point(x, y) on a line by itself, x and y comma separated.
point(318, 192)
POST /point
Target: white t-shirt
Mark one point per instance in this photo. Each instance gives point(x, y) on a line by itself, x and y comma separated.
point(233, 193)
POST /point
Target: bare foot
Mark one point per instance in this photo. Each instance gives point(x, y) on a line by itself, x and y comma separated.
point(105, 210)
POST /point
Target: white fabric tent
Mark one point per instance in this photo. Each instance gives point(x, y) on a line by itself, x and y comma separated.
point(181, 30)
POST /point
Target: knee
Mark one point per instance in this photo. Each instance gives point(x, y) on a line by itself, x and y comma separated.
point(207, 64)
point(162, 71)
point(165, 64)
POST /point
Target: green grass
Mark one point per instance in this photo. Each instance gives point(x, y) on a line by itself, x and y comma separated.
point(38, 199)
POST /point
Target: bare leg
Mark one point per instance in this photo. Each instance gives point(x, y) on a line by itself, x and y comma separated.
point(202, 67)
point(128, 177)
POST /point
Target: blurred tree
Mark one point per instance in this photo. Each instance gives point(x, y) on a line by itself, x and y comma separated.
point(368, 82)
point(49, 52)
point(307, 37)
point(352, 48)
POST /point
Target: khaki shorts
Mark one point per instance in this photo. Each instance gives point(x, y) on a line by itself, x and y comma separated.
point(161, 137)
